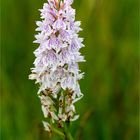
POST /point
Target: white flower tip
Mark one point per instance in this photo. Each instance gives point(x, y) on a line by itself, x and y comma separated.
point(32, 76)
point(46, 126)
point(74, 118)
point(68, 2)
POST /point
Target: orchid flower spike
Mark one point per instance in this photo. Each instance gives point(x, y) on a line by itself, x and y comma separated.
point(56, 64)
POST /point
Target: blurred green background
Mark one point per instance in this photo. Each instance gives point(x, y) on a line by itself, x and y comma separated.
point(109, 109)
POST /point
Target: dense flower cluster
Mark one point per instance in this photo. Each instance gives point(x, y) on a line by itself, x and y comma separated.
point(56, 64)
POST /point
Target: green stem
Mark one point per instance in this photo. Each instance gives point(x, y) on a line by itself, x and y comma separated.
point(61, 134)
point(67, 133)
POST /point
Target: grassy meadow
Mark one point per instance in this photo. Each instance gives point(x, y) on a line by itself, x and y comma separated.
point(109, 109)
